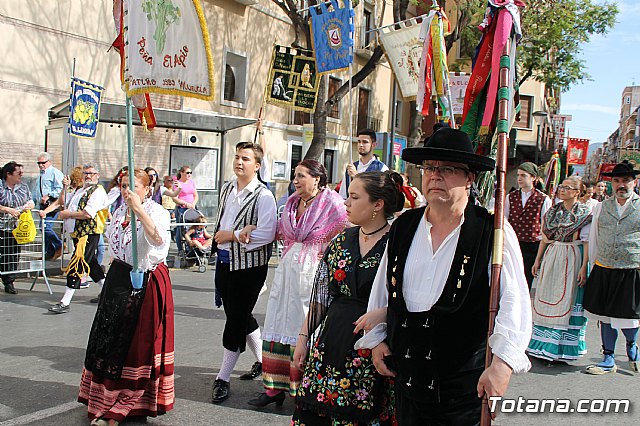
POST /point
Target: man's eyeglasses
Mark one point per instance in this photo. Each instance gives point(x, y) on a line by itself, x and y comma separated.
point(445, 171)
point(42, 162)
point(89, 173)
point(566, 188)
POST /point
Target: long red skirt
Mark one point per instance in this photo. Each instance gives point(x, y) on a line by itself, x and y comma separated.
point(145, 386)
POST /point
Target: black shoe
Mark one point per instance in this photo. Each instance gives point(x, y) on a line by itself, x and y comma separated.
point(220, 391)
point(59, 308)
point(263, 400)
point(256, 370)
point(9, 288)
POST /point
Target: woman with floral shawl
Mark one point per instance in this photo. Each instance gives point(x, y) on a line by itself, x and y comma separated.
point(313, 215)
point(560, 271)
point(340, 385)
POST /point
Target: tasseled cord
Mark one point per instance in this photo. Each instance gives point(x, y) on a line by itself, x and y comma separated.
point(77, 264)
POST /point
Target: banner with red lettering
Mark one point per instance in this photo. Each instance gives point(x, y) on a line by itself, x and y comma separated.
point(577, 150)
point(167, 48)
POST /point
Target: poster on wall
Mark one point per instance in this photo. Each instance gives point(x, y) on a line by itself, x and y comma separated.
point(293, 80)
point(203, 162)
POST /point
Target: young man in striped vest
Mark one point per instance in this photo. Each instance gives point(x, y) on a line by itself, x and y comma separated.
point(245, 228)
point(524, 209)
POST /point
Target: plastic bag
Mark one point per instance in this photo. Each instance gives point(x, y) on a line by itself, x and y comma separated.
point(25, 231)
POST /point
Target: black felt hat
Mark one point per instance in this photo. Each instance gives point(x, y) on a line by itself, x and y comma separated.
point(622, 169)
point(448, 144)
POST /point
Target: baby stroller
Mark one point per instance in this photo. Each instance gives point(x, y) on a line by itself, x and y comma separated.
point(197, 255)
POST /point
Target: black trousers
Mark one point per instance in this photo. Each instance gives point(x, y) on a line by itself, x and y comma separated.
point(529, 253)
point(459, 410)
point(9, 256)
point(90, 256)
point(239, 291)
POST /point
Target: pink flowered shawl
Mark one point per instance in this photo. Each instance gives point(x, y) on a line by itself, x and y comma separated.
point(324, 219)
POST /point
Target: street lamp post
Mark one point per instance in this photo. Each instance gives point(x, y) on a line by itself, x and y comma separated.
point(539, 117)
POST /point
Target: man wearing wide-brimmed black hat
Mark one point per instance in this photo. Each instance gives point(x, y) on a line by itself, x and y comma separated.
point(434, 280)
point(612, 292)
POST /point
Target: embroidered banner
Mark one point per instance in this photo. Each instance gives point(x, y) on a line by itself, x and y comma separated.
point(605, 168)
point(167, 48)
point(293, 80)
point(403, 50)
point(84, 108)
point(332, 36)
point(577, 150)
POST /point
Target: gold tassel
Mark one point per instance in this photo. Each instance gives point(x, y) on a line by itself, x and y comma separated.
point(77, 264)
point(144, 124)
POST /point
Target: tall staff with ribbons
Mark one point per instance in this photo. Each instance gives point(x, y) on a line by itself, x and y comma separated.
point(491, 82)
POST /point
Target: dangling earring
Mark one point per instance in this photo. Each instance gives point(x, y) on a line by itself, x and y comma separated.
point(373, 216)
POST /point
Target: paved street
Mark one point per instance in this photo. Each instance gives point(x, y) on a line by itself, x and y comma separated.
point(41, 357)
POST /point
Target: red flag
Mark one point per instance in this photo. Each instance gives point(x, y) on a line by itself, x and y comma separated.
point(577, 150)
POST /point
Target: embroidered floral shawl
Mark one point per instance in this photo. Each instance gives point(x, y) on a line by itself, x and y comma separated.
point(322, 221)
point(560, 224)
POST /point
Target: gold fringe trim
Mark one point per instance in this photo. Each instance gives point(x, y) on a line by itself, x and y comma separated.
point(77, 264)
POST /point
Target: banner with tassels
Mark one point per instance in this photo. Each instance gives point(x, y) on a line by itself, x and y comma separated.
point(332, 36)
point(501, 22)
point(167, 48)
point(84, 108)
point(403, 50)
point(293, 80)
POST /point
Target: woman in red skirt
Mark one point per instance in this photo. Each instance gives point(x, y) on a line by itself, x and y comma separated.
point(128, 368)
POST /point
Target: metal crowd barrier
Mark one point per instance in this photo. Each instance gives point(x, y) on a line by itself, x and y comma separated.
point(24, 258)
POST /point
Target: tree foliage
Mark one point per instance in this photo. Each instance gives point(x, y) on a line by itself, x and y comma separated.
point(553, 32)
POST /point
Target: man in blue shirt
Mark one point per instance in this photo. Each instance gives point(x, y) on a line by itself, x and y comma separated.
point(46, 190)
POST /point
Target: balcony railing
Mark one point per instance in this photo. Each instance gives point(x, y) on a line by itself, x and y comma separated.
point(367, 122)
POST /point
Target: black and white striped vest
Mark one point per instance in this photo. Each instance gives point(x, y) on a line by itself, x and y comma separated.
point(240, 258)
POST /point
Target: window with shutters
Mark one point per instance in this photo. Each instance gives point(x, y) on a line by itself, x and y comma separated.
point(526, 108)
point(234, 78)
point(334, 85)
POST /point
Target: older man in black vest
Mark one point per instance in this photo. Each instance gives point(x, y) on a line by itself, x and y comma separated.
point(434, 281)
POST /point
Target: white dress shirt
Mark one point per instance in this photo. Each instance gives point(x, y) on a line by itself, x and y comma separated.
point(265, 231)
point(98, 201)
point(424, 279)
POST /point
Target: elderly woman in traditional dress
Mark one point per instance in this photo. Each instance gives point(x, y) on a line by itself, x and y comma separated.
point(128, 368)
point(560, 271)
point(313, 215)
point(340, 384)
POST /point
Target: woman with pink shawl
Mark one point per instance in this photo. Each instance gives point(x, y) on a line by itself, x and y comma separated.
point(313, 215)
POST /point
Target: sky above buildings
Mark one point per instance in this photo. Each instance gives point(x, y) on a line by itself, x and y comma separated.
point(613, 61)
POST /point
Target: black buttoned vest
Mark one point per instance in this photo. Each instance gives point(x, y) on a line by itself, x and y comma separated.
point(440, 353)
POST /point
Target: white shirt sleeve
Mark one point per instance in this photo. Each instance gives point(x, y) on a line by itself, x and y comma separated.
point(378, 298)
point(96, 202)
point(507, 206)
point(512, 330)
point(593, 235)
point(546, 205)
point(265, 232)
